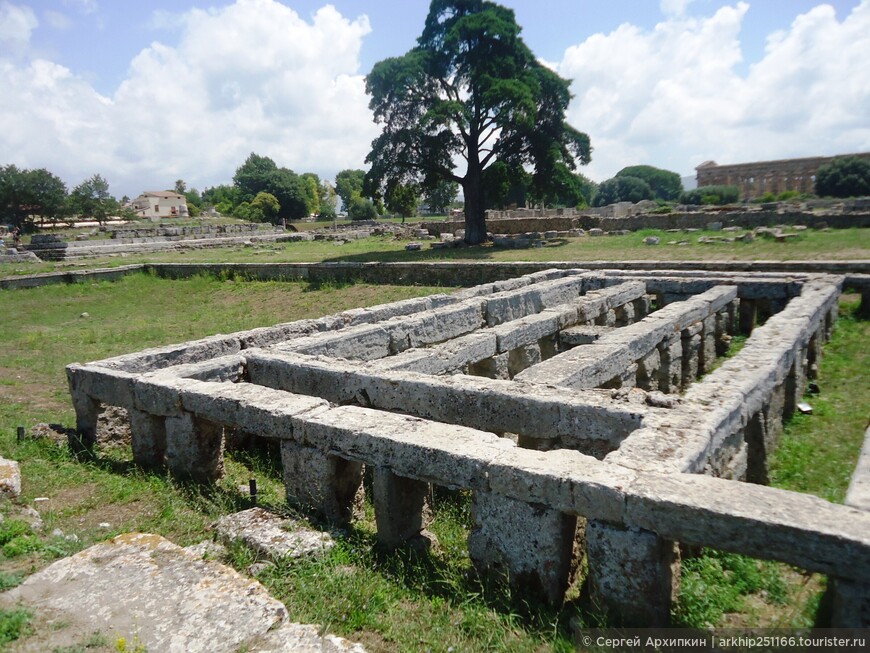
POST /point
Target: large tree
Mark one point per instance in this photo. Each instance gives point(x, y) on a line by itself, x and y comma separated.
point(91, 200)
point(348, 185)
point(260, 174)
point(29, 195)
point(471, 90)
point(666, 185)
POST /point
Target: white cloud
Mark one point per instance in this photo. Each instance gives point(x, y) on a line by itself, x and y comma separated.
point(674, 7)
point(672, 96)
point(252, 76)
point(56, 19)
point(83, 6)
point(16, 24)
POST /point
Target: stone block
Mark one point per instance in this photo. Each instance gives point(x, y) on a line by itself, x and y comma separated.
point(10, 479)
point(400, 508)
point(327, 485)
point(148, 439)
point(194, 448)
point(633, 574)
point(529, 544)
point(271, 535)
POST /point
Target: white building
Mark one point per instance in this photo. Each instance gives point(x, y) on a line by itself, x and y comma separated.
point(156, 204)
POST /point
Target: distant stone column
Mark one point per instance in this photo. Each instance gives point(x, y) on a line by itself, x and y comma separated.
point(87, 413)
point(633, 574)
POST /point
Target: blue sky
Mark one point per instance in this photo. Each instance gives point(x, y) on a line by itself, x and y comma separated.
point(148, 92)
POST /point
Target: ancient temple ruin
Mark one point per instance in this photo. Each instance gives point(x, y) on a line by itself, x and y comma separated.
point(586, 411)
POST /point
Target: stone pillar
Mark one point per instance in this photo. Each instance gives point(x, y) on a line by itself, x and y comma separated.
point(671, 371)
point(747, 316)
point(522, 358)
point(607, 318)
point(494, 367)
point(795, 383)
point(529, 544)
point(148, 437)
point(194, 448)
point(327, 485)
point(648, 370)
point(691, 338)
point(814, 354)
point(399, 508)
point(87, 414)
point(850, 604)
point(707, 357)
point(548, 346)
point(633, 574)
point(641, 307)
point(755, 434)
point(625, 314)
point(723, 330)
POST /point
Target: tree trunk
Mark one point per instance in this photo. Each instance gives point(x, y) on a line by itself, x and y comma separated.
point(475, 212)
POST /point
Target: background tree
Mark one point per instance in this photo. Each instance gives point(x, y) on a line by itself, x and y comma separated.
point(180, 187)
point(224, 198)
point(403, 199)
point(349, 184)
point(666, 185)
point(564, 189)
point(471, 89)
point(311, 188)
point(845, 177)
point(442, 196)
point(91, 200)
point(362, 208)
point(264, 208)
point(29, 195)
point(328, 197)
point(622, 189)
point(261, 174)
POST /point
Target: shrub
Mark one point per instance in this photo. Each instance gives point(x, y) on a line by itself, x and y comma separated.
point(362, 209)
point(845, 177)
point(711, 195)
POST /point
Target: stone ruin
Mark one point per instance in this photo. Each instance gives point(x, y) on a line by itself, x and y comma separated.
point(589, 413)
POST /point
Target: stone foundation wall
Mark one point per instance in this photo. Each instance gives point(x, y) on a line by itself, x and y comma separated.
point(551, 396)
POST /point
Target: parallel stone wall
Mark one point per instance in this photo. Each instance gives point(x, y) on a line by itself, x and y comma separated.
point(502, 389)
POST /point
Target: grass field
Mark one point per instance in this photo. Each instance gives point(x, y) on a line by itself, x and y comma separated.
point(389, 602)
point(842, 244)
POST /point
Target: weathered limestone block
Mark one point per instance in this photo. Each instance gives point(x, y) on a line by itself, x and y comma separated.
point(400, 509)
point(148, 438)
point(648, 369)
point(327, 485)
point(522, 358)
point(143, 586)
point(671, 370)
point(10, 479)
point(625, 314)
point(271, 535)
point(87, 414)
point(691, 338)
point(194, 448)
point(582, 335)
point(494, 367)
point(707, 356)
point(633, 573)
point(606, 318)
point(529, 544)
point(748, 317)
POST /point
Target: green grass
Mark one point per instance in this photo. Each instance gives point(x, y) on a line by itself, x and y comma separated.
point(841, 244)
point(390, 602)
point(14, 624)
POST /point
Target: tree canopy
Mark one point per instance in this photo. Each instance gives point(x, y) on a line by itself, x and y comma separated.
point(260, 174)
point(622, 189)
point(27, 195)
point(665, 185)
point(845, 177)
point(91, 199)
point(471, 90)
point(349, 184)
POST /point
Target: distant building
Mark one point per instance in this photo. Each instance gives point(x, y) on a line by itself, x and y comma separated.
point(157, 204)
point(756, 179)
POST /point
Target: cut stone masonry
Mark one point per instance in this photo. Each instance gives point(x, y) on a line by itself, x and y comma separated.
point(542, 395)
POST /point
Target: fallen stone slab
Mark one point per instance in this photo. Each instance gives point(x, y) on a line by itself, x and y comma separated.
point(145, 589)
point(271, 535)
point(10, 478)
